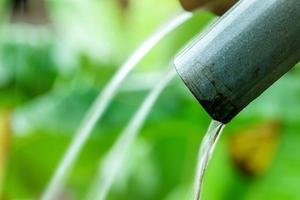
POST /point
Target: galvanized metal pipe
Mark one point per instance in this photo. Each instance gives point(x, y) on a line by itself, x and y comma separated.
point(246, 51)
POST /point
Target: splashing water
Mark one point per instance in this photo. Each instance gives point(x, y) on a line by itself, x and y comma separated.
point(112, 163)
point(205, 152)
point(102, 101)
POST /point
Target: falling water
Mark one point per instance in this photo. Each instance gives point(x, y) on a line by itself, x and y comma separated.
point(112, 163)
point(205, 152)
point(102, 102)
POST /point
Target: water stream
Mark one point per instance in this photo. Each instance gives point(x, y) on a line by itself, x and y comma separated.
point(205, 152)
point(101, 103)
point(112, 163)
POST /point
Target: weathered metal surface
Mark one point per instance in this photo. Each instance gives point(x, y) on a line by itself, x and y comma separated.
point(218, 7)
point(244, 53)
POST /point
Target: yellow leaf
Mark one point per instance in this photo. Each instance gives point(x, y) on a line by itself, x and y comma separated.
point(252, 149)
point(5, 137)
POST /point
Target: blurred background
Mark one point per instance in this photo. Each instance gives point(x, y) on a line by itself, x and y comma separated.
point(57, 56)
